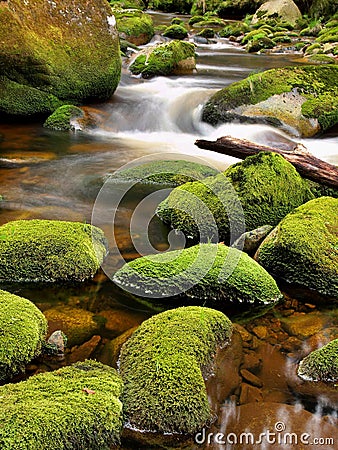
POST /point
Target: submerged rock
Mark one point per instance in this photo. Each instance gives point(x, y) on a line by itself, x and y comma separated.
point(54, 53)
point(204, 272)
point(285, 10)
point(161, 367)
point(303, 248)
point(22, 332)
point(169, 173)
point(321, 364)
point(50, 250)
point(164, 59)
point(259, 191)
point(250, 241)
point(301, 100)
point(74, 407)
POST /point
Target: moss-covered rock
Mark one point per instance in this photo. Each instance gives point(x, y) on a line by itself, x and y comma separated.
point(161, 369)
point(322, 59)
point(134, 25)
point(205, 272)
point(164, 59)
point(176, 32)
point(23, 330)
point(74, 407)
point(303, 98)
point(259, 43)
point(63, 117)
point(77, 324)
point(285, 10)
point(303, 248)
point(50, 250)
point(263, 189)
point(170, 173)
point(55, 53)
point(321, 364)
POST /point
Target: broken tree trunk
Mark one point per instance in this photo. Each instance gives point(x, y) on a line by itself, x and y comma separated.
point(306, 164)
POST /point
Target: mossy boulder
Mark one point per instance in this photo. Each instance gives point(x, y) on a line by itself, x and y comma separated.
point(303, 248)
point(63, 118)
point(134, 25)
point(207, 33)
point(285, 10)
point(322, 59)
point(203, 272)
point(50, 250)
point(77, 324)
point(321, 364)
point(176, 32)
point(259, 43)
point(55, 53)
point(164, 59)
point(161, 366)
point(169, 173)
point(259, 191)
point(23, 330)
point(301, 100)
point(74, 407)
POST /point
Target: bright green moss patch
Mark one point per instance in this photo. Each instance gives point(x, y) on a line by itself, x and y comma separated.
point(204, 272)
point(161, 369)
point(61, 119)
point(134, 25)
point(171, 172)
point(53, 411)
point(22, 332)
point(321, 364)
point(176, 32)
point(303, 248)
point(50, 250)
point(260, 190)
point(164, 59)
point(309, 81)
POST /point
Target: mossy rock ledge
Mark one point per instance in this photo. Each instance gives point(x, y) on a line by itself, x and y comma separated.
point(321, 364)
point(303, 248)
point(301, 100)
point(203, 272)
point(76, 407)
point(23, 330)
point(258, 191)
point(53, 53)
point(169, 58)
point(162, 364)
point(50, 250)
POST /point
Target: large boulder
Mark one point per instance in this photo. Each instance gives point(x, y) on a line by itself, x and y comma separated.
point(50, 250)
point(23, 330)
point(161, 369)
point(259, 191)
point(301, 100)
point(285, 10)
point(74, 407)
point(321, 364)
point(56, 52)
point(164, 59)
point(203, 272)
point(303, 248)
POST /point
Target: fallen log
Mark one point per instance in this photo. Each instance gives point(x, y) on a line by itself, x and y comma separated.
point(305, 163)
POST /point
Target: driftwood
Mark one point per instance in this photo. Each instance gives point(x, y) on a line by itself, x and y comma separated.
point(306, 164)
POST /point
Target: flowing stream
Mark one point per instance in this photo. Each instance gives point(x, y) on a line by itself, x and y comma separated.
point(55, 175)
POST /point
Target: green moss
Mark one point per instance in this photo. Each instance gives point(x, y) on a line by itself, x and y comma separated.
point(163, 59)
point(23, 329)
point(52, 411)
point(176, 32)
point(267, 187)
point(325, 107)
point(161, 368)
point(171, 172)
point(309, 81)
point(196, 19)
point(48, 250)
point(126, 4)
point(205, 271)
point(61, 119)
point(135, 26)
point(303, 249)
point(177, 21)
point(255, 34)
point(174, 6)
point(328, 35)
point(321, 364)
point(207, 33)
point(322, 59)
point(259, 43)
